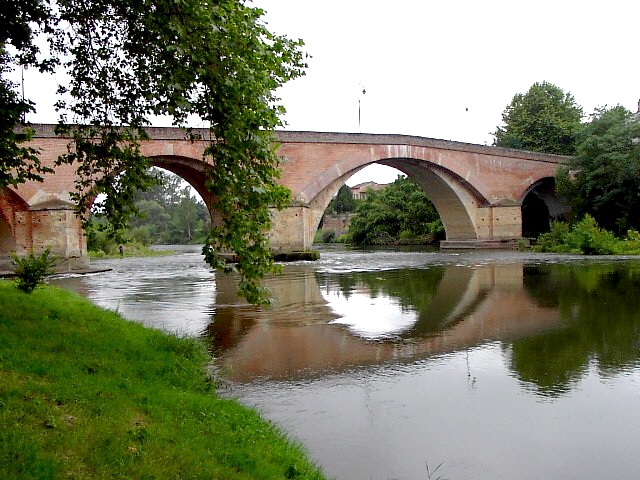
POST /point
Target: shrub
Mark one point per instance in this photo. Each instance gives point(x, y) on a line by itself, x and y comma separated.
point(328, 236)
point(32, 269)
point(584, 237)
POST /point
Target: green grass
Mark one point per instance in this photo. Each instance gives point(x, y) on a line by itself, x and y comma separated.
point(85, 394)
point(133, 249)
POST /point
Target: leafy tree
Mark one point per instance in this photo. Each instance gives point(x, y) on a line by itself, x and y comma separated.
point(18, 163)
point(545, 119)
point(603, 179)
point(131, 60)
point(343, 202)
point(401, 210)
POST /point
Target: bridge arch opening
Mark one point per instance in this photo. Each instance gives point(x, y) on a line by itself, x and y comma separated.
point(11, 206)
point(173, 212)
point(449, 195)
point(336, 218)
point(540, 206)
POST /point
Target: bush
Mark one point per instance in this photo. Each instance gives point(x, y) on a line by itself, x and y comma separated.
point(328, 236)
point(584, 237)
point(32, 269)
point(141, 235)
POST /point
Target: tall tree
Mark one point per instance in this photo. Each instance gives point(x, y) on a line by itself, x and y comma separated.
point(130, 60)
point(343, 201)
point(545, 119)
point(603, 179)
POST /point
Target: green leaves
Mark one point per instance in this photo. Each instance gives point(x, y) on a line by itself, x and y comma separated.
point(211, 63)
point(603, 179)
point(545, 119)
point(30, 270)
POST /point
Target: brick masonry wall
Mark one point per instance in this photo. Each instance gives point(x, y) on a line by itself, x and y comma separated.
point(477, 189)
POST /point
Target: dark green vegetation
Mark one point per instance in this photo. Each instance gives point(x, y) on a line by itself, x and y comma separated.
point(86, 394)
point(343, 202)
point(600, 310)
point(128, 61)
point(602, 178)
point(168, 214)
point(545, 119)
point(587, 238)
point(401, 212)
point(17, 162)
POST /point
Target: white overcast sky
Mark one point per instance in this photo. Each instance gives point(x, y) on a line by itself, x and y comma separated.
point(447, 69)
point(440, 69)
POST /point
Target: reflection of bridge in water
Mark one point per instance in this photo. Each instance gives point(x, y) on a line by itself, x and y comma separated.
point(466, 307)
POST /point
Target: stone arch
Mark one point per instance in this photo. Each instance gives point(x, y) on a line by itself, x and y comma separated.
point(540, 206)
point(14, 226)
point(450, 194)
point(192, 171)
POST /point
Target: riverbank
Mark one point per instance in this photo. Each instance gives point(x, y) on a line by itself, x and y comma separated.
point(87, 394)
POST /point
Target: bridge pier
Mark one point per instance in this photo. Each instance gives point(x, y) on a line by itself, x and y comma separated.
point(35, 230)
point(496, 226)
point(292, 229)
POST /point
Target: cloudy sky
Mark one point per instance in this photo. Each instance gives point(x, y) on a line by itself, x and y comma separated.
point(444, 69)
point(448, 69)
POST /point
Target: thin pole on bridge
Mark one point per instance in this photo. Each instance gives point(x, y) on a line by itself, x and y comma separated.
point(364, 91)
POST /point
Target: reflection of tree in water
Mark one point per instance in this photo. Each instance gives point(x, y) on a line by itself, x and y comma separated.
point(413, 290)
point(600, 309)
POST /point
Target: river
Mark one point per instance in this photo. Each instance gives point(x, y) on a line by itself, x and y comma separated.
point(390, 364)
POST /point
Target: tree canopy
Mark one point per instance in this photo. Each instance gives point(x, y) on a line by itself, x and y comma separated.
point(603, 178)
point(129, 61)
point(545, 119)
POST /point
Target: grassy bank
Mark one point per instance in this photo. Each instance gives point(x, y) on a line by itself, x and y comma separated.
point(86, 394)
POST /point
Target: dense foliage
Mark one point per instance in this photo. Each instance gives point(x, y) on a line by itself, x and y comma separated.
point(18, 163)
point(169, 214)
point(603, 178)
point(128, 61)
point(400, 211)
point(545, 119)
point(585, 237)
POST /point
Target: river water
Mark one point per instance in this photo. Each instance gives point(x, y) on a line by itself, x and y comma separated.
point(390, 364)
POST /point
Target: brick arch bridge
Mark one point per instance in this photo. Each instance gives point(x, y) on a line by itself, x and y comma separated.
point(480, 192)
